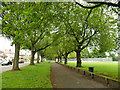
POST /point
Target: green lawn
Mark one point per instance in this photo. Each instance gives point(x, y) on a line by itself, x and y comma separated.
point(36, 76)
point(106, 68)
point(0, 80)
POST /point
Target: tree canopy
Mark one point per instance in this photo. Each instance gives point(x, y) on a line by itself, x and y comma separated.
point(60, 27)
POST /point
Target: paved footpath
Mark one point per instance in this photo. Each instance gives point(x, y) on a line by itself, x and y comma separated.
point(62, 77)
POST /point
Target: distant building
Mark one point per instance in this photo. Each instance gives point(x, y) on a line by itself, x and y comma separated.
point(1, 52)
point(26, 54)
point(21, 56)
point(9, 53)
point(3, 56)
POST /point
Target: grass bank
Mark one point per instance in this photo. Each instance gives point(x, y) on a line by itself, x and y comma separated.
point(104, 68)
point(35, 76)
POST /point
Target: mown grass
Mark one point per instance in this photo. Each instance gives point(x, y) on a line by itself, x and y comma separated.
point(0, 81)
point(105, 68)
point(35, 76)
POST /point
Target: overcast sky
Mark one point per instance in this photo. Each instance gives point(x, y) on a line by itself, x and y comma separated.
point(5, 44)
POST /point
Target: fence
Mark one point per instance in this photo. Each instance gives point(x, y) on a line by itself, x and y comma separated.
point(90, 59)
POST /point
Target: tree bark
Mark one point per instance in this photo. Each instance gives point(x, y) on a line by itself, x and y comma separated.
point(38, 58)
point(79, 63)
point(66, 55)
point(60, 58)
point(41, 59)
point(16, 58)
point(32, 55)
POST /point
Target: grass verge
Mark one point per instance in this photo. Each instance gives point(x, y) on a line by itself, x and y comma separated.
point(31, 76)
point(109, 69)
point(0, 80)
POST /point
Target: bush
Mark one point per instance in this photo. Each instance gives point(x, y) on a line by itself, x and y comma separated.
point(21, 58)
point(114, 59)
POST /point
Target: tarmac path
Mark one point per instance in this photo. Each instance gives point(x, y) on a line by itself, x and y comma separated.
point(62, 77)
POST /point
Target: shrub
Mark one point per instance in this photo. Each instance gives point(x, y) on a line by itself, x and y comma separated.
point(114, 59)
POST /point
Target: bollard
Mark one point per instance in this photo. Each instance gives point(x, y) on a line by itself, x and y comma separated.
point(92, 75)
point(91, 69)
point(84, 73)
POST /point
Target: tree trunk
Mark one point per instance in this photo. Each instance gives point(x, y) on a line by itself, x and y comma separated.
point(60, 58)
point(38, 58)
point(66, 55)
point(32, 56)
point(41, 59)
point(16, 58)
point(79, 63)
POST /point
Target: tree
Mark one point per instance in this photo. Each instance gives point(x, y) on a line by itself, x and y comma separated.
point(12, 27)
point(97, 54)
point(85, 53)
point(72, 55)
point(113, 6)
point(42, 54)
point(112, 55)
point(80, 25)
point(117, 4)
point(38, 57)
point(55, 50)
point(51, 52)
point(67, 46)
point(39, 27)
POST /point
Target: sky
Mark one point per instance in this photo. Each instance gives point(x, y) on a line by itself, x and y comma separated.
point(6, 44)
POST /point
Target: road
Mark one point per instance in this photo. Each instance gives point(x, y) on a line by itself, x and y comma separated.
point(9, 67)
point(63, 77)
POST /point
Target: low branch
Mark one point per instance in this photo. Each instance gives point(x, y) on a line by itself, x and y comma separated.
point(91, 35)
point(114, 10)
point(87, 39)
point(67, 52)
point(46, 46)
point(99, 4)
point(43, 48)
point(86, 6)
point(29, 47)
point(107, 3)
point(86, 44)
point(73, 32)
point(40, 37)
point(86, 22)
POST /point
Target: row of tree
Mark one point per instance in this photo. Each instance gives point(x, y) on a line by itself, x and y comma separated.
point(86, 28)
point(57, 27)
